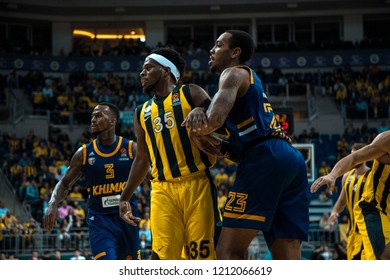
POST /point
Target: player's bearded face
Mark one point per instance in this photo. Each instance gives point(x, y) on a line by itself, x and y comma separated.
point(150, 87)
point(150, 75)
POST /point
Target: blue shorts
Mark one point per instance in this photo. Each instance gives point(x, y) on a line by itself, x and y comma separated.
point(111, 238)
point(271, 192)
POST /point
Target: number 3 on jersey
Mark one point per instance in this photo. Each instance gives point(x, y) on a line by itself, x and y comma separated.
point(109, 170)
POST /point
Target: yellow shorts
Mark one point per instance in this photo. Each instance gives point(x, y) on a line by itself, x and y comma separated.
point(183, 216)
point(354, 245)
point(374, 227)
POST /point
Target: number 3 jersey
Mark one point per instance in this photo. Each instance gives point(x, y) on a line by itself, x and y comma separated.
point(106, 169)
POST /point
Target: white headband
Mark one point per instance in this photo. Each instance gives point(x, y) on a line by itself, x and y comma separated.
point(166, 63)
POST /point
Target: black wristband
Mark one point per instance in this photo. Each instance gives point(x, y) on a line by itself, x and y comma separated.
point(205, 104)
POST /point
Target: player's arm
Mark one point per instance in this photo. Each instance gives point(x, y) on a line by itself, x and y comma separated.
point(138, 172)
point(340, 203)
point(60, 192)
point(197, 118)
point(378, 148)
point(221, 104)
point(134, 148)
point(223, 101)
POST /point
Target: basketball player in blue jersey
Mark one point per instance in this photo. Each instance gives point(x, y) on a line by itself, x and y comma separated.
point(106, 163)
point(184, 209)
point(372, 212)
point(271, 190)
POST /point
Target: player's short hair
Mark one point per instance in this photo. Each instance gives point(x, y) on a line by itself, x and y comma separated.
point(241, 39)
point(113, 109)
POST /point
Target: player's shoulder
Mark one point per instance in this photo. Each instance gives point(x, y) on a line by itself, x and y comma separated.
point(194, 87)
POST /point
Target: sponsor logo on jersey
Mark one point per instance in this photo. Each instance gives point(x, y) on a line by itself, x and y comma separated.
point(124, 155)
point(176, 99)
point(91, 160)
point(110, 201)
point(147, 112)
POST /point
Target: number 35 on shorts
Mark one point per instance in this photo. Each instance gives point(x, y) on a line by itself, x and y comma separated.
point(199, 251)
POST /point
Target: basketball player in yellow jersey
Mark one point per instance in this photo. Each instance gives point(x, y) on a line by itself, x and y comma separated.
point(372, 212)
point(183, 197)
point(351, 192)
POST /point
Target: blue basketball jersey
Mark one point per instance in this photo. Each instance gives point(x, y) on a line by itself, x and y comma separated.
point(246, 124)
point(106, 170)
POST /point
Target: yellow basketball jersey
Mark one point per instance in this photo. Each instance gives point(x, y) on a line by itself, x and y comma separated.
point(172, 153)
point(353, 189)
point(377, 188)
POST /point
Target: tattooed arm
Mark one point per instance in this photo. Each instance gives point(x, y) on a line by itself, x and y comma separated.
point(233, 83)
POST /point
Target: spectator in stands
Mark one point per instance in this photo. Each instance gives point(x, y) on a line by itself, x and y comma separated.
point(48, 96)
point(23, 161)
point(41, 150)
point(327, 227)
point(79, 231)
point(87, 254)
point(77, 255)
point(76, 197)
point(32, 197)
point(35, 255)
point(37, 100)
point(46, 255)
point(57, 255)
point(321, 252)
point(221, 178)
point(324, 168)
point(14, 144)
point(64, 210)
point(145, 231)
point(65, 230)
point(3, 208)
point(342, 147)
point(28, 234)
point(145, 221)
point(361, 108)
point(79, 211)
point(341, 93)
point(323, 196)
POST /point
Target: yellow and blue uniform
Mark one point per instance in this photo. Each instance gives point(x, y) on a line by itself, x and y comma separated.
point(106, 169)
point(354, 187)
point(271, 190)
point(372, 212)
point(183, 197)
